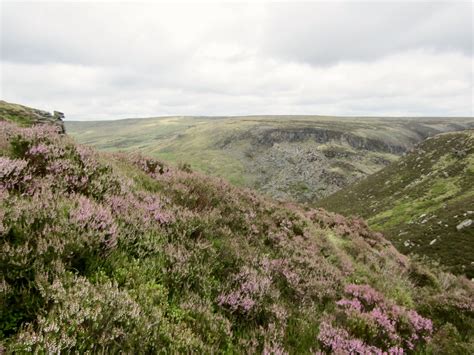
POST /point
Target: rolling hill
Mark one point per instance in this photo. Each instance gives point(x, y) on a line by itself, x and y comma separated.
point(300, 158)
point(424, 202)
point(117, 252)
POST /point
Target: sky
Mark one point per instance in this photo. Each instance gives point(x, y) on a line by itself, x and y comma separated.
point(110, 60)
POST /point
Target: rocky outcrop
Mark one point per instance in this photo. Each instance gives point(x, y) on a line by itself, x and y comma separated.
point(30, 116)
point(44, 117)
point(269, 137)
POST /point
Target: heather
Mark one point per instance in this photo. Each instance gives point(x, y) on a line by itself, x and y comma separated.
point(423, 203)
point(120, 252)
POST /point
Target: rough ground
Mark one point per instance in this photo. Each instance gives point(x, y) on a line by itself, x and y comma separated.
point(423, 203)
point(108, 253)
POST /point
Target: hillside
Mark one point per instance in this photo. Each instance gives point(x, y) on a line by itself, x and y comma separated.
point(300, 158)
point(424, 203)
point(117, 252)
point(27, 116)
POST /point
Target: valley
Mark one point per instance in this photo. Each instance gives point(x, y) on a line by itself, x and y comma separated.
point(250, 177)
point(298, 158)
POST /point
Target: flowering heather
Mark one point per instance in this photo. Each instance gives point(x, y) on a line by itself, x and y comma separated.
point(12, 173)
point(251, 288)
point(114, 253)
point(374, 324)
point(339, 341)
point(95, 219)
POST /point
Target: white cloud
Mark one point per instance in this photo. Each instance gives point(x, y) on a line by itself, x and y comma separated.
point(104, 61)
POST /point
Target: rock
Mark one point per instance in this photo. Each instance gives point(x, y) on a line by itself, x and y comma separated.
point(58, 115)
point(464, 224)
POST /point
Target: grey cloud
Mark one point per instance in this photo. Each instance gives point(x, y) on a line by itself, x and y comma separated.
point(85, 33)
point(325, 33)
point(123, 60)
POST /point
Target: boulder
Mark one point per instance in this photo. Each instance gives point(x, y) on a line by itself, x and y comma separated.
point(464, 224)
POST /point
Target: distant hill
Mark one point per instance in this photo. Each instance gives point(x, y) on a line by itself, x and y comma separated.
point(27, 116)
point(424, 203)
point(108, 253)
point(300, 158)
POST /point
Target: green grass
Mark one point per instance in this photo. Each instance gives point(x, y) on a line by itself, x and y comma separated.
point(419, 200)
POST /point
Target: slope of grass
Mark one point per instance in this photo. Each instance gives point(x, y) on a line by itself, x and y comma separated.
point(301, 158)
point(21, 115)
point(26, 116)
point(420, 200)
point(104, 253)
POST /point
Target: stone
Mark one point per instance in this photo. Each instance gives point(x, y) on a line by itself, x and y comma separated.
point(464, 224)
point(58, 115)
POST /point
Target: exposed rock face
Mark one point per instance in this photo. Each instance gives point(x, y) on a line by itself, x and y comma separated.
point(45, 117)
point(320, 135)
point(290, 171)
point(270, 136)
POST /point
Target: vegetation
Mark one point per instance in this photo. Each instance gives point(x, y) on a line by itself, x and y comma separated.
point(118, 252)
point(421, 201)
point(300, 158)
point(26, 116)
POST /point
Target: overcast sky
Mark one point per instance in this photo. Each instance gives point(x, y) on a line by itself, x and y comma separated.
point(109, 60)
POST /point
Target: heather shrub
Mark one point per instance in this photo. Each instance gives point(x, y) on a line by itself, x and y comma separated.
point(13, 174)
point(365, 321)
point(447, 340)
point(452, 302)
point(79, 310)
point(108, 253)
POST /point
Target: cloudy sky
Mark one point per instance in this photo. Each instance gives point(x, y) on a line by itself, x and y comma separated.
point(108, 60)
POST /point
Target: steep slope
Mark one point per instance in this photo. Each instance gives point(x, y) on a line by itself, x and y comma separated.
point(117, 252)
point(424, 203)
point(301, 158)
point(27, 116)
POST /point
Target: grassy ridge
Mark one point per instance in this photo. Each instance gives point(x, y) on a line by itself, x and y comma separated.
point(419, 201)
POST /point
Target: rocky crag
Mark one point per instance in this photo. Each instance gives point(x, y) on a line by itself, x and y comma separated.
point(26, 116)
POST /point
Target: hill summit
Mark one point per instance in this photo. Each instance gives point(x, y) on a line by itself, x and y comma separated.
point(119, 252)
